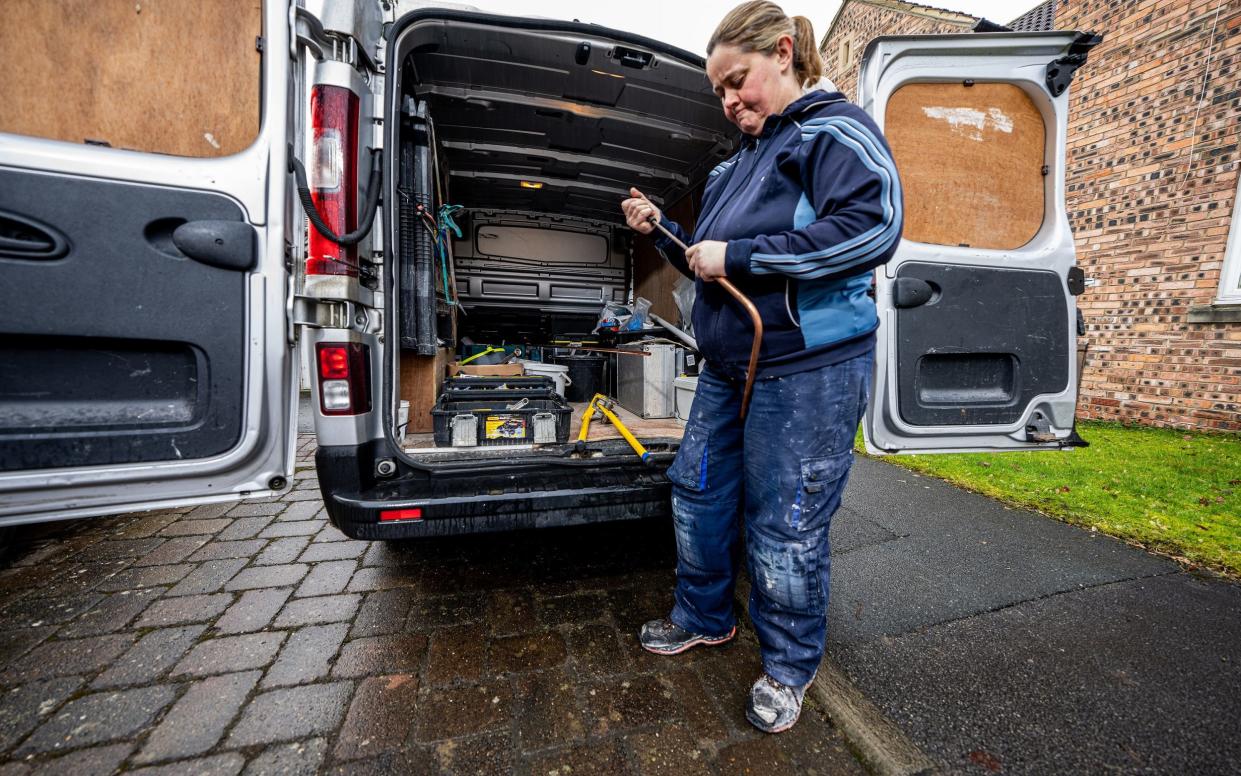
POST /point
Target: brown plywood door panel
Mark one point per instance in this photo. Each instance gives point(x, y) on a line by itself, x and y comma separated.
point(970, 160)
point(654, 277)
point(421, 379)
point(170, 76)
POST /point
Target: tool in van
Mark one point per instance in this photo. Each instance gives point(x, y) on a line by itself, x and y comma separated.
point(745, 302)
point(603, 405)
point(490, 349)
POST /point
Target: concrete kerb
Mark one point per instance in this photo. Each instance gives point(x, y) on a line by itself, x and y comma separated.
point(880, 744)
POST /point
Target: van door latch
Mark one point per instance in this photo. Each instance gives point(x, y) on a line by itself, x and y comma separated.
point(323, 313)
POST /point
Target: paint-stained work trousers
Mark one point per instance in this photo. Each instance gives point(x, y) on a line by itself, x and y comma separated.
point(784, 468)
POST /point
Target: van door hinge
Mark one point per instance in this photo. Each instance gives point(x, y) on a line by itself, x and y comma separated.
point(324, 313)
point(1039, 429)
point(1060, 70)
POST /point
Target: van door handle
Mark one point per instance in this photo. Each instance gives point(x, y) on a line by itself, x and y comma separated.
point(223, 244)
point(912, 292)
point(25, 238)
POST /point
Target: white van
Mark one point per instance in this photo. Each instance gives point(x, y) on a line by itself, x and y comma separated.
point(153, 304)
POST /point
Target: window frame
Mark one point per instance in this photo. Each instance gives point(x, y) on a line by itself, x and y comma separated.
point(1229, 290)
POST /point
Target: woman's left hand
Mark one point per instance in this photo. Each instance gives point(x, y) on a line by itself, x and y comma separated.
point(706, 259)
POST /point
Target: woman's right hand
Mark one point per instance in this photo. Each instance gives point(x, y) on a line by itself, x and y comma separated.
point(638, 209)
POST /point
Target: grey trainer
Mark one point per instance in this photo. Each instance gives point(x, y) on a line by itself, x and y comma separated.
point(665, 637)
point(774, 707)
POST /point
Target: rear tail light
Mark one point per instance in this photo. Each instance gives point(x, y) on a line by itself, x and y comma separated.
point(344, 378)
point(333, 178)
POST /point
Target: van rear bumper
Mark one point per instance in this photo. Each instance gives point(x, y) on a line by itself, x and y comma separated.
point(481, 504)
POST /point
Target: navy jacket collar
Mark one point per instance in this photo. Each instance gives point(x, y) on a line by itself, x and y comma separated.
point(806, 102)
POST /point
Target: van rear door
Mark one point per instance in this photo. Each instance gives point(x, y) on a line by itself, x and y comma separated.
point(977, 341)
point(145, 352)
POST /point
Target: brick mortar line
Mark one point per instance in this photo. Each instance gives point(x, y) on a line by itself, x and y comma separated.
point(881, 746)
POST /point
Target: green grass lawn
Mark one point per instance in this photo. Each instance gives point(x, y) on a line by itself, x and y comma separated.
point(1171, 491)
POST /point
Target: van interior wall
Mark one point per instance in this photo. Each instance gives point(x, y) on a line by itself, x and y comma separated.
point(654, 278)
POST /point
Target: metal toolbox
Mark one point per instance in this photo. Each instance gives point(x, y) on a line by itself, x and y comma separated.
point(644, 383)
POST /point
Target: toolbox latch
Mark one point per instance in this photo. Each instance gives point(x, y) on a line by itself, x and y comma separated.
point(465, 430)
point(544, 428)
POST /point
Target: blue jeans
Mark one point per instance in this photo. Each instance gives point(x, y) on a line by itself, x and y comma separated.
point(784, 469)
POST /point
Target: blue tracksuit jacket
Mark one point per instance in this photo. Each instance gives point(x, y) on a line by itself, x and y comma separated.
point(807, 208)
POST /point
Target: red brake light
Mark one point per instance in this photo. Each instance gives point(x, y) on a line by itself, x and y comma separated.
point(333, 178)
point(344, 378)
point(401, 514)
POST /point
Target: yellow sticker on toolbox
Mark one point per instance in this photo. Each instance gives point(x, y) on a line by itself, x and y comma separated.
point(505, 427)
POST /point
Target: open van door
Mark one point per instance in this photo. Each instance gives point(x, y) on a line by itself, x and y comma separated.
point(145, 349)
point(978, 320)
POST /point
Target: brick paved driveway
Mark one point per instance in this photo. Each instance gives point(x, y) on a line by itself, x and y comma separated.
point(255, 637)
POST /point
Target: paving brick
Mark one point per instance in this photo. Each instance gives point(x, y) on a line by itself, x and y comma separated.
point(303, 495)
point(32, 612)
point(243, 528)
point(257, 508)
point(330, 533)
point(699, 708)
point(629, 702)
point(145, 576)
point(448, 712)
point(78, 578)
point(292, 713)
point(381, 578)
point(511, 611)
point(671, 751)
point(300, 758)
point(209, 577)
point(546, 711)
point(147, 525)
point(22, 708)
point(216, 765)
point(172, 551)
point(327, 578)
point(382, 612)
point(122, 548)
point(300, 528)
point(208, 511)
point(371, 656)
point(242, 548)
point(303, 510)
point(268, 576)
point(184, 609)
point(306, 656)
point(253, 610)
point(230, 653)
point(379, 718)
point(333, 551)
point(64, 658)
point(756, 755)
point(93, 719)
point(482, 753)
point(198, 719)
point(596, 650)
point(196, 527)
point(16, 643)
point(572, 608)
point(318, 610)
point(111, 614)
point(456, 653)
point(605, 758)
point(148, 659)
point(96, 761)
point(526, 652)
point(446, 610)
point(283, 550)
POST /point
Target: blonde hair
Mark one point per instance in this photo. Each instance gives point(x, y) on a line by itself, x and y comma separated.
point(759, 24)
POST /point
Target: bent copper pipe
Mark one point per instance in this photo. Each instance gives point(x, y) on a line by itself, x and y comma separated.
point(745, 302)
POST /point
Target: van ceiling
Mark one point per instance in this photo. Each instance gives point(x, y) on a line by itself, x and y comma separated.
point(585, 111)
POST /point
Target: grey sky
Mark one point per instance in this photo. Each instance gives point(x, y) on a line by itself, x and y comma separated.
point(689, 24)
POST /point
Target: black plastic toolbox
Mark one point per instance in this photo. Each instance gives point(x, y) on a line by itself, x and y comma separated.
point(498, 388)
point(500, 420)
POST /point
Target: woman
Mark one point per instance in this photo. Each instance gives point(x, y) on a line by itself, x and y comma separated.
point(797, 220)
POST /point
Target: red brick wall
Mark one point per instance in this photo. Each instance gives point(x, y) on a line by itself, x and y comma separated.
point(1150, 197)
point(857, 24)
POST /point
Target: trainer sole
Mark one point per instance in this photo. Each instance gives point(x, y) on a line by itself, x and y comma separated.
point(700, 641)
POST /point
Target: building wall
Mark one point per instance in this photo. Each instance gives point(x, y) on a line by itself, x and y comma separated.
point(858, 23)
point(1152, 172)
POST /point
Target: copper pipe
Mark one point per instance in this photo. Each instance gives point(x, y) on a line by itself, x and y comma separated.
point(745, 302)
